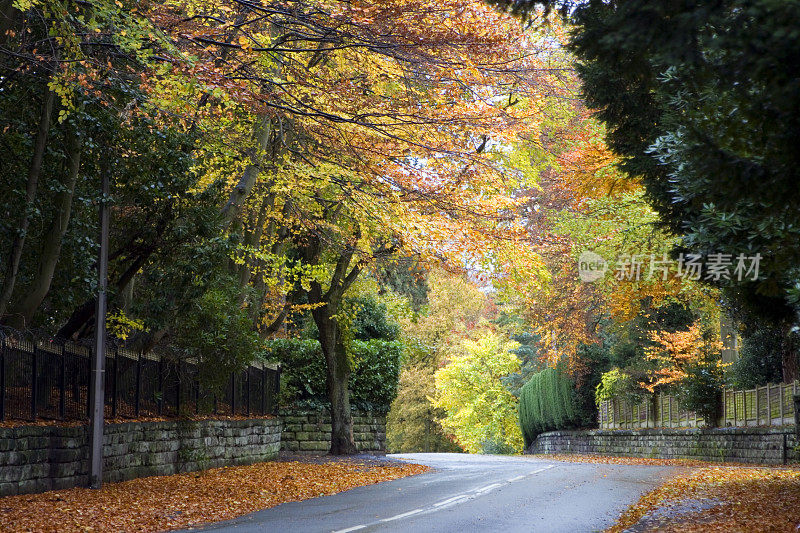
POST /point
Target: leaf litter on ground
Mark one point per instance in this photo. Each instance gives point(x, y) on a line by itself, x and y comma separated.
point(161, 503)
point(707, 496)
point(720, 498)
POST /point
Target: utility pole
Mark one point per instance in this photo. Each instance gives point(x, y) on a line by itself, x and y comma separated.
point(99, 363)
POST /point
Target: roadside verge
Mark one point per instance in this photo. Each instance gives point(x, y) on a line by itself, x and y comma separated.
point(185, 500)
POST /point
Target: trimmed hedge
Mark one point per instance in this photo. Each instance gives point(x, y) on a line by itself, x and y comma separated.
point(373, 381)
point(547, 402)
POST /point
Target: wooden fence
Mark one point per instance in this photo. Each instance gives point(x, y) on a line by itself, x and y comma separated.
point(770, 405)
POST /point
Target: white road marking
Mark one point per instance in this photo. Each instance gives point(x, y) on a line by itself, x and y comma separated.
point(451, 502)
point(445, 502)
point(398, 516)
point(354, 528)
point(488, 488)
point(458, 498)
point(532, 472)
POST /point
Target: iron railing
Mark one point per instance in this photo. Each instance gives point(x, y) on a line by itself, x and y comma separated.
point(45, 379)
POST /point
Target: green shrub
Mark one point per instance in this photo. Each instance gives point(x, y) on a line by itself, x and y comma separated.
point(547, 403)
point(376, 371)
point(371, 320)
point(760, 359)
point(302, 371)
point(373, 381)
point(217, 332)
point(497, 446)
point(700, 390)
point(616, 384)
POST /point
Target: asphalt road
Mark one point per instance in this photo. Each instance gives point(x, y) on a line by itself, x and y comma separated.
point(469, 493)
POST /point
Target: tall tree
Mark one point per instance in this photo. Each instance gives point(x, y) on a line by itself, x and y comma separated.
point(698, 102)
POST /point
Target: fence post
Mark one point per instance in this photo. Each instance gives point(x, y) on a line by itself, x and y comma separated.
point(89, 385)
point(247, 394)
point(639, 416)
point(62, 384)
point(138, 393)
point(263, 390)
point(758, 409)
point(178, 389)
point(233, 393)
point(34, 385)
point(626, 420)
point(769, 407)
point(277, 390)
point(114, 387)
point(160, 385)
point(630, 410)
point(601, 415)
point(744, 408)
point(3, 380)
point(669, 400)
point(647, 414)
point(796, 398)
point(627, 414)
point(623, 415)
point(780, 400)
point(197, 389)
point(614, 412)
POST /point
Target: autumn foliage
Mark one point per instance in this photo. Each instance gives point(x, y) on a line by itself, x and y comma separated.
point(674, 353)
point(719, 498)
point(188, 500)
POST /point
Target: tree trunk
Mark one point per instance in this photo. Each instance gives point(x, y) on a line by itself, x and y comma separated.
point(9, 18)
point(262, 136)
point(338, 378)
point(252, 239)
point(22, 313)
point(12, 267)
point(330, 337)
point(788, 353)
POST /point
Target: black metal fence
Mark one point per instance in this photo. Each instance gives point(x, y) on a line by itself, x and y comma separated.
point(44, 379)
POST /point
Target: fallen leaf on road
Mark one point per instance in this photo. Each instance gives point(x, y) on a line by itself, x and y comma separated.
point(183, 500)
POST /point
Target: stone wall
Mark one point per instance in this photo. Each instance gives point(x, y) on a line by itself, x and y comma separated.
point(744, 445)
point(309, 432)
point(39, 458)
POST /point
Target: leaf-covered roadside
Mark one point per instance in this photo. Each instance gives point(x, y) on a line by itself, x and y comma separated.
point(612, 460)
point(720, 498)
point(183, 500)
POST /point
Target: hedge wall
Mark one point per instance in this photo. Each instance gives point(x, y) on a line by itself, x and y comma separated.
point(373, 381)
point(547, 402)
